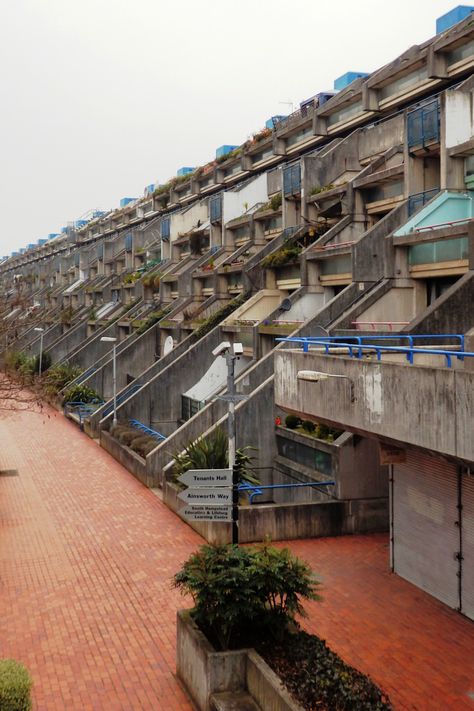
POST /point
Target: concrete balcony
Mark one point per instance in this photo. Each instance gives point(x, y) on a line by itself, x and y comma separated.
point(426, 405)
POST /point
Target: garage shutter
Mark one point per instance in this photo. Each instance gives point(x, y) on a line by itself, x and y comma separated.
point(468, 546)
point(425, 530)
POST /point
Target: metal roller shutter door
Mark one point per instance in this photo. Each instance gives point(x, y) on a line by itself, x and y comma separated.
point(425, 528)
point(467, 597)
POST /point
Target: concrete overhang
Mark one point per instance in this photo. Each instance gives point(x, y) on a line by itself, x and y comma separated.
point(425, 406)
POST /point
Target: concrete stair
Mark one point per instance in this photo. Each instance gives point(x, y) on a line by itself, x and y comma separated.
point(233, 701)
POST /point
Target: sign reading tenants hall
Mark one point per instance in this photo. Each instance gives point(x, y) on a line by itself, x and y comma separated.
point(207, 477)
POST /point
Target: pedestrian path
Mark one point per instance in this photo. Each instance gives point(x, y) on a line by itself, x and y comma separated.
point(86, 560)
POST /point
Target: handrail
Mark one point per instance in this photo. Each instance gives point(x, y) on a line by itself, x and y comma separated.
point(356, 349)
point(258, 490)
point(450, 223)
point(147, 430)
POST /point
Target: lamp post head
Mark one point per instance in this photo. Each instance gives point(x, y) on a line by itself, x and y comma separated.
point(38, 329)
point(108, 339)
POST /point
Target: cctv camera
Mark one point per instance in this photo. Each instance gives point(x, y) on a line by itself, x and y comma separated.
point(238, 349)
point(221, 348)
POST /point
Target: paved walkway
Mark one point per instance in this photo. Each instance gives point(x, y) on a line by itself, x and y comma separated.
point(86, 558)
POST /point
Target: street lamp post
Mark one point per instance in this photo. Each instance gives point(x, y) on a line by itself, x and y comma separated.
point(231, 353)
point(110, 339)
point(40, 368)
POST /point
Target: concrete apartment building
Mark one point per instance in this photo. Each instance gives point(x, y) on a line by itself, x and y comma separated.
point(347, 228)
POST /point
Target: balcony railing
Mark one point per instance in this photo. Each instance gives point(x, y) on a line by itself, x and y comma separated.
point(292, 180)
point(418, 200)
point(423, 125)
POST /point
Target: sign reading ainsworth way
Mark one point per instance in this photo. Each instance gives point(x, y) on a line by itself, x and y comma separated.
point(210, 494)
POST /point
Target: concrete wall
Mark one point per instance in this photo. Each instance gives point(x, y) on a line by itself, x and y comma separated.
point(285, 522)
point(451, 313)
point(424, 406)
point(398, 304)
point(236, 200)
point(459, 117)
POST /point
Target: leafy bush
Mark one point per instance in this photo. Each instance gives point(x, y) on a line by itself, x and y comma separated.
point(317, 677)
point(15, 359)
point(237, 591)
point(140, 443)
point(308, 426)
point(60, 375)
point(15, 686)
point(81, 393)
point(292, 422)
point(283, 256)
point(211, 452)
point(219, 315)
point(155, 316)
point(275, 201)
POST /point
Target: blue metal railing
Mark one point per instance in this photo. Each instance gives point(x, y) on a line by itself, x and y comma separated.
point(292, 179)
point(147, 430)
point(121, 398)
point(82, 409)
point(258, 490)
point(215, 208)
point(362, 345)
point(418, 200)
point(423, 124)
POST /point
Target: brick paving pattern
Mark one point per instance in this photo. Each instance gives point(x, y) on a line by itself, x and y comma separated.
point(86, 558)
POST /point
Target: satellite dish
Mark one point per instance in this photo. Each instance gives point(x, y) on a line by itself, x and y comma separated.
point(285, 305)
point(168, 347)
point(319, 331)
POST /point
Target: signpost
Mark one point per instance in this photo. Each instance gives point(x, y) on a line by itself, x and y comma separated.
point(211, 495)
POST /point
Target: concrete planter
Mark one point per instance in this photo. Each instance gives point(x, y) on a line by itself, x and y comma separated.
point(126, 456)
point(205, 672)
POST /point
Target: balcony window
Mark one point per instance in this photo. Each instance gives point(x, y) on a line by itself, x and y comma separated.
point(190, 407)
point(262, 155)
point(344, 114)
point(273, 223)
point(232, 170)
point(385, 191)
point(299, 136)
point(403, 84)
point(442, 251)
point(466, 51)
point(338, 265)
point(241, 233)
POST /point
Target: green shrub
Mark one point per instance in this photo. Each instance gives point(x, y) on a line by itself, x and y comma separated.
point(283, 256)
point(15, 686)
point(308, 426)
point(317, 677)
point(219, 315)
point(237, 591)
point(81, 393)
point(211, 452)
point(58, 376)
point(292, 422)
point(275, 201)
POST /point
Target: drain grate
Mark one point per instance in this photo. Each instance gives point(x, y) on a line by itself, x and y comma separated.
point(8, 472)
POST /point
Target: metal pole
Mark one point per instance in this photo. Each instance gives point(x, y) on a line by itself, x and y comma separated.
point(230, 358)
point(41, 354)
point(115, 384)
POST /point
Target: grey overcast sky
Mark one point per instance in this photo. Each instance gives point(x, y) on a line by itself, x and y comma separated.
point(102, 97)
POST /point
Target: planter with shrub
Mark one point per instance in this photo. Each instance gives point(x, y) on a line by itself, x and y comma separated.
point(252, 598)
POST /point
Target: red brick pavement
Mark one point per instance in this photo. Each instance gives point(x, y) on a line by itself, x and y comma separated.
point(86, 558)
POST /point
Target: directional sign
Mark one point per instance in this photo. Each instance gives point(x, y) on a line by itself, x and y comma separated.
point(222, 514)
point(207, 477)
point(201, 495)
